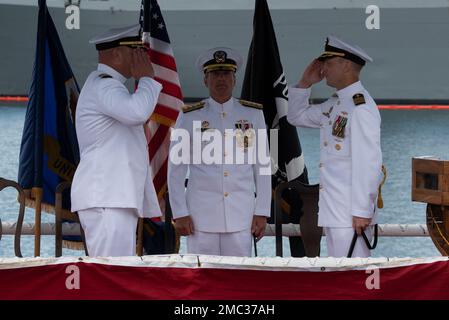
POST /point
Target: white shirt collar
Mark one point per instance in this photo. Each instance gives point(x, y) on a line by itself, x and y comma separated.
point(227, 105)
point(350, 91)
point(111, 71)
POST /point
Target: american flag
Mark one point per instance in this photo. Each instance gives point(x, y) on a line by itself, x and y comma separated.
point(170, 101)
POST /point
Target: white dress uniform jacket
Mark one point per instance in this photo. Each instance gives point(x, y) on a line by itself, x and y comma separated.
point(114, 170)
point(350, 152)
point(220, 197)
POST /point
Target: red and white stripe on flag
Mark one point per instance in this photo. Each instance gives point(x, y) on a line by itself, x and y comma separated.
point(169, 104)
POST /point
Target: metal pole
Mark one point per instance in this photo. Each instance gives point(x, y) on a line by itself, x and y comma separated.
point(146, 22)
point(278, 216)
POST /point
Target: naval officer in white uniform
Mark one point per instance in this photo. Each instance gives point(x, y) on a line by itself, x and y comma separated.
point(225, 203)
point(112, 185)
point(350, 151)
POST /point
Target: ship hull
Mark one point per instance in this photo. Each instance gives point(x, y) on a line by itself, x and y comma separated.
point(408, 49)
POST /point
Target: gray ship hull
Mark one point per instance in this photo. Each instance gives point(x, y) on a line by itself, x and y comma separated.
point(410, 49)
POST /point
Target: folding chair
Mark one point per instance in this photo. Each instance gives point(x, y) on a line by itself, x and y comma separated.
point(63, 214)
point(4, 183)
point(310, 232)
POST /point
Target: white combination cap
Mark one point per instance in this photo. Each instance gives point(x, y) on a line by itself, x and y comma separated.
point(335, 47)
point(219, 58)
point(124, 36)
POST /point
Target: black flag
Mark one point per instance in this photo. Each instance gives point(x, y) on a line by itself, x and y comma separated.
point(265, 83)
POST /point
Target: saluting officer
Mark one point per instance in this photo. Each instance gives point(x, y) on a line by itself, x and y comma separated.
point(350, 156)
point(225, 202)
point(113, 185)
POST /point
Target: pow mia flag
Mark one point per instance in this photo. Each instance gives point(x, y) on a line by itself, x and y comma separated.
point(265, 83)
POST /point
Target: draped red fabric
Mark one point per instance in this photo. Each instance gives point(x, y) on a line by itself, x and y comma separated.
point(101, 281)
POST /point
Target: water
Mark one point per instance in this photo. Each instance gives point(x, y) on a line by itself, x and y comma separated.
point(404, 134)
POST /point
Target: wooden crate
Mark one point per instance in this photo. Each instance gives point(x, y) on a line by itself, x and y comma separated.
point(430, 180)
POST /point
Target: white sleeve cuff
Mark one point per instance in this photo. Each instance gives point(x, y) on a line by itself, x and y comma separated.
point(303, 91)
point(150, 82)
point(362, 213)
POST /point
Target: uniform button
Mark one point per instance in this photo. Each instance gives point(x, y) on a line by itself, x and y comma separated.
point(226, 194)
point(321, 165)
point(337, 146)
point(330, 122)
point(223, 114)
point(225, 173)
point(325, 143)
point(338, 102)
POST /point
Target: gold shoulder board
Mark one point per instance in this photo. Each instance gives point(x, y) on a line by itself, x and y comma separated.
point(358, 99)
point(196, 106)
point(251, 104)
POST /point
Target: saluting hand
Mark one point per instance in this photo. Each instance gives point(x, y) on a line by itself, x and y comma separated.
point(184, 226)
point(141, 64)
point(312, 74)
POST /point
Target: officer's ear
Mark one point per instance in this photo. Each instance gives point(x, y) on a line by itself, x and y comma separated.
point(356, 67)
point(205, 79)
point(346, 66)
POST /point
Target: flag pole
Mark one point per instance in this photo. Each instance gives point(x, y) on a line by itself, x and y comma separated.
point(37, 194)
point(146, 22)
point(145, 40)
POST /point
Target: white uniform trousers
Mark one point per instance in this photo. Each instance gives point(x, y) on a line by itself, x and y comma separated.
point(109, 231)
point(339, 240)
point(236, 244)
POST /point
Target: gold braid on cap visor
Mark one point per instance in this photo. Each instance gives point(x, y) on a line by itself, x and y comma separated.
point(332, 53)
point(137, 44)
point(220, 66)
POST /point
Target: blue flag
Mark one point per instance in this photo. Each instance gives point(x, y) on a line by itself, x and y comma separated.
point(49, 151)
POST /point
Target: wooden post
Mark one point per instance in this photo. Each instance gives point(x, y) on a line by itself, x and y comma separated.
point(139, 248)
point(37, 194)
point(444, 228)
point(58, 223)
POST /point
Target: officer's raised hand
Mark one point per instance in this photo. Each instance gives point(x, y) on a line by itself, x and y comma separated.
point(184, 226)
point(141, 64)
point(312, 74)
